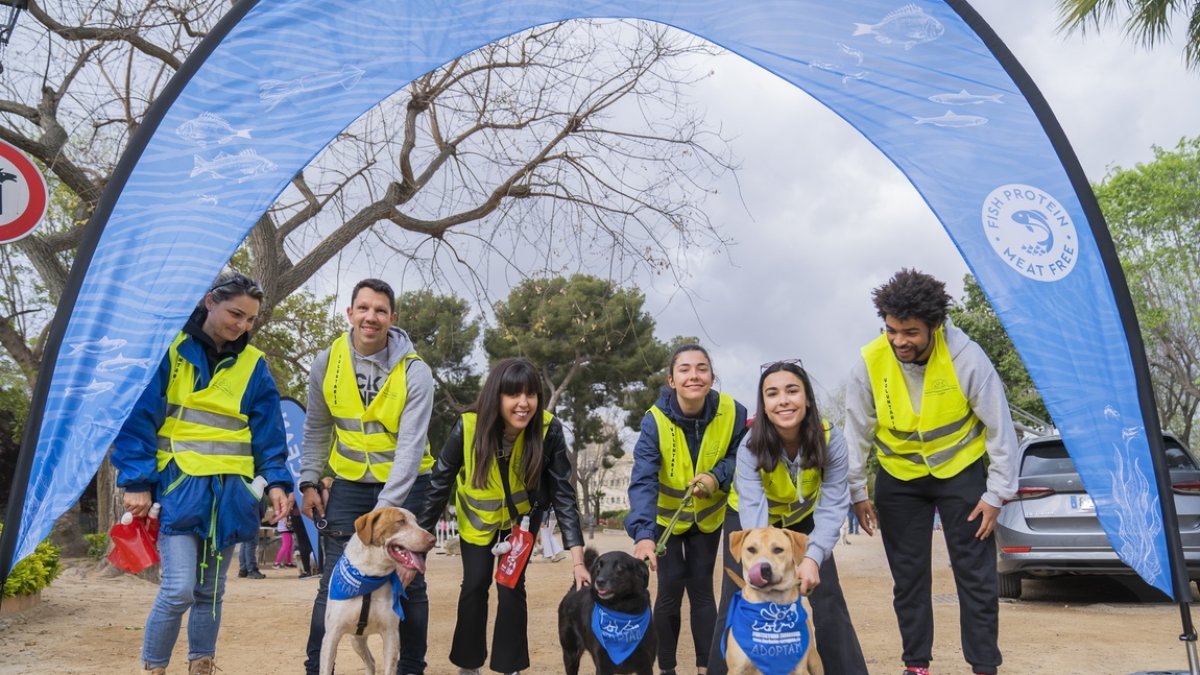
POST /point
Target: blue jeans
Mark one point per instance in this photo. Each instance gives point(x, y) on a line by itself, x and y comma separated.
point(248, 556)
point(347, 501)
point(193, 578)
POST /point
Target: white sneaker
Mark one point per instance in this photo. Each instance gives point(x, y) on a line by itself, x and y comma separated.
point(469, 671)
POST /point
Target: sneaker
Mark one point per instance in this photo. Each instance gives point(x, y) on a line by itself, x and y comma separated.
point(242, 573)
point(276, 566)
point(469, 671)
point(914, 670)
point(202, 666)
point(255, 574)
point(147, 670)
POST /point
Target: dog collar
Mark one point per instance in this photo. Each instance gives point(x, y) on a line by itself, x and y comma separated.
point(619, 633)
point(347, 582)
point(773, 636)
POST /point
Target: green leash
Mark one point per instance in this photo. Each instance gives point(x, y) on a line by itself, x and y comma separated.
point(661, 547)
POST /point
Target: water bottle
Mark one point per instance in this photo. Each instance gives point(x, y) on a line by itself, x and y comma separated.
point(512, 564)
point(135, 541)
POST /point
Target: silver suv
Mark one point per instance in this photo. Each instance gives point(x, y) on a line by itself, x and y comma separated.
point(1050, 527)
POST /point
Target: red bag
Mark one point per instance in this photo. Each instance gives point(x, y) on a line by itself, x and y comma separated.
point(512, 563)
point(135, 544)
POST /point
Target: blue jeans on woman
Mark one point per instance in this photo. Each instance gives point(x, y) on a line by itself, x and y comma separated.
point(193, 578)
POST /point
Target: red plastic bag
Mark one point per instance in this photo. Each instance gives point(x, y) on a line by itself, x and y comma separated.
point(512, 563)
point(135, 544)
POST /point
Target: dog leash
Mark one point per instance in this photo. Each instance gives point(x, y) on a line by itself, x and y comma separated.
point(661, 547)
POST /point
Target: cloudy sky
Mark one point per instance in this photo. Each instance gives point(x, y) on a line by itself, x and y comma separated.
point(829, 218)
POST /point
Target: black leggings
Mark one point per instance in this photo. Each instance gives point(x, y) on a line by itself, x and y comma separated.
point(686, 565)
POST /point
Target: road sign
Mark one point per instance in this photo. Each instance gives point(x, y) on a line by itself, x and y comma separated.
point(23, 194)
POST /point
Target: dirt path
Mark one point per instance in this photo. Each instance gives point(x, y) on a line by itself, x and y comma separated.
point(87, 623)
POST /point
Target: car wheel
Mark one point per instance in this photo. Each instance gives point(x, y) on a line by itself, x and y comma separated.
point(1010, 585)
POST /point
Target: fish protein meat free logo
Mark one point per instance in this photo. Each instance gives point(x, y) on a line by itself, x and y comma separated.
point(1031, 231)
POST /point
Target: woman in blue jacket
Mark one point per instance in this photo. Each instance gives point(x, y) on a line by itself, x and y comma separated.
point(688, 444)
point(205, 426)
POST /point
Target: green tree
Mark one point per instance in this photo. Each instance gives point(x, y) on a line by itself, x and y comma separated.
point(591, 339)
point(639, 398)
point(1148, 21)
point(1153, 212)
point(975, 316)
point(445, 336)
point(301, 326)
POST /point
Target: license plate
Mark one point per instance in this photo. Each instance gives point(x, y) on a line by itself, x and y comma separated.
point(1082, 503)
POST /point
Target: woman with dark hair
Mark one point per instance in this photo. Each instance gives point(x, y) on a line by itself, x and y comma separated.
point(792, 473)
point(688, 442)
point(205, 426)
point(508, 458)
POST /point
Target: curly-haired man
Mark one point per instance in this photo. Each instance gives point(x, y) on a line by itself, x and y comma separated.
point(932, 405)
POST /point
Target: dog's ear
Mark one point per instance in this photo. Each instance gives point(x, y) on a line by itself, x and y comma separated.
point(365, 524)
point(735, 543)
point(799, 544)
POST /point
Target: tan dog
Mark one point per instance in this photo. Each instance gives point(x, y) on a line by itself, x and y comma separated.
point(385, 540)
point(769, 557)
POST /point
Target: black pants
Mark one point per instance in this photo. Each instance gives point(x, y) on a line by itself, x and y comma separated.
point(304, 546)
point(510, 636)
point(686, 565)
point(347, 501)
point(906, 525)
point(837, 642)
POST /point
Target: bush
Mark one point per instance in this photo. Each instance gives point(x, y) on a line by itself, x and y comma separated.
point(614, 520)
point(33, 573)
point(97, 545)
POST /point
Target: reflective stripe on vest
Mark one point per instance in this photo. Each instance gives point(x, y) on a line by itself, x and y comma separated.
point(677, 469)
point(205, 432)
point(483, 511)
point(945, 438)
point(788, 501)
point(365, 436)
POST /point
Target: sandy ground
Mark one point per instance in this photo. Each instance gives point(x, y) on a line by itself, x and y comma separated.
point(88, 623)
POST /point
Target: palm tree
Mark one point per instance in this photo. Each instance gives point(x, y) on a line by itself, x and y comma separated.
point(1149, 20)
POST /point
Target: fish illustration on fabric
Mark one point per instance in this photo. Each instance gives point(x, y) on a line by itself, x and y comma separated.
point(101, 346)
point(209, 129)
point(1036, 225)
point(851, 52)
point(243, 166)
point(274, 92)
point(207, 199)
point(837, 70)
point(92, 390)
point(952, 120)
point(965, 97)
point(120, 362)
point(907, 26)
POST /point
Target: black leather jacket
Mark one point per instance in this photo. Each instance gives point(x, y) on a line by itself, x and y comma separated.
point(555, 489)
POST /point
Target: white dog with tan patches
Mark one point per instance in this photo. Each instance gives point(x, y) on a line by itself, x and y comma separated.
point(385, 553)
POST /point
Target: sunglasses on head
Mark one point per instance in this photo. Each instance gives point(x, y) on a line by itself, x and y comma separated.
point(796, 362)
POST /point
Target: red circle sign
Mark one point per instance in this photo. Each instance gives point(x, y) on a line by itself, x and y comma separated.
point(23, 194)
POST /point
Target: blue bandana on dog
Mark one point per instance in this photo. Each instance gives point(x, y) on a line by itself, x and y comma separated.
point(348, 582)
point(773, 636)
point(619, 633)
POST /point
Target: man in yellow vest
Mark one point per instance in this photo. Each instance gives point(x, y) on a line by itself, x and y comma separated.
point(931, 404)
point(369, 401)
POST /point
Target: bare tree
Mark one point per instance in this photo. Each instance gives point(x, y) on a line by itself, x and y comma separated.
point(565, 146)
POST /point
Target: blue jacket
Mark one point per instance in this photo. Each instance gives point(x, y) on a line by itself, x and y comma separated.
point(220, 507)
point(647, 458)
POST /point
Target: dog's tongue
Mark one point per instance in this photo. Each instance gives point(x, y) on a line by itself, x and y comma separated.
point(410, 560)
point(755, 577)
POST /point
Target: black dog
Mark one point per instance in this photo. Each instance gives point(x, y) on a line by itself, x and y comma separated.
point(620, 583)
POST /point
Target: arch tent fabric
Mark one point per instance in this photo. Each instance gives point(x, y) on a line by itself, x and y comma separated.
point(928, 83)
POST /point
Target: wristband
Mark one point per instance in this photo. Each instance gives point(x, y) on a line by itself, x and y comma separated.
point(308, 484)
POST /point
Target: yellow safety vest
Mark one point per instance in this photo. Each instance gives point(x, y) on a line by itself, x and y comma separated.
point(676, 470)
point(789, 501)
point(205, 431)
point(483, 511)
point(945, 438)
point(366, 435)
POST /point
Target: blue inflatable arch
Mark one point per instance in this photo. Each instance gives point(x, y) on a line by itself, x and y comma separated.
point(927, 82)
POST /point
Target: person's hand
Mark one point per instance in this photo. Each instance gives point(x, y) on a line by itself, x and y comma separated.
point(990, 514)
point(312, 505)
point(279, 500)
point(703, 485)
point(644, 550)
point(583, 577)
point(809, 575)
point(137, 503)
point(865, 513)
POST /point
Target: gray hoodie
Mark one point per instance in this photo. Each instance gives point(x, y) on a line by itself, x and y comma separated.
point(371, 371)
point(985, 394)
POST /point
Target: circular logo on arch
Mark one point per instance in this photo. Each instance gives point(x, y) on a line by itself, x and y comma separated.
point(1031, 231)
point(23, 195)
